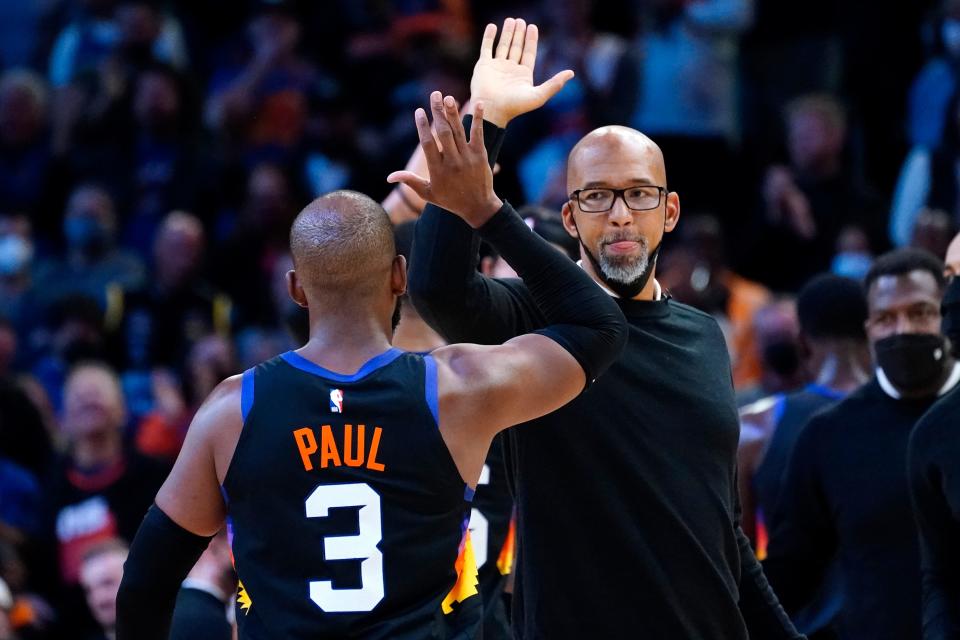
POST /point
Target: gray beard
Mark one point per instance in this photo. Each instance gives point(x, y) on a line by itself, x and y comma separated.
point(622, 269)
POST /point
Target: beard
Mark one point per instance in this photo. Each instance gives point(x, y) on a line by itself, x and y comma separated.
point(620, 268)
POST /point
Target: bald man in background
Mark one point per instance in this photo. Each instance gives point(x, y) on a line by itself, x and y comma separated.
point(628, 519)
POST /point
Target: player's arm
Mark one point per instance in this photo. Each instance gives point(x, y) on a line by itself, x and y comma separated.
point(188, 511)
point(458, 302)
point(939, 533)
point(533, 374)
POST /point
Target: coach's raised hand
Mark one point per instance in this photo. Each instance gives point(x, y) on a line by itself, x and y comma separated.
point(460, 177)
point(503, 79)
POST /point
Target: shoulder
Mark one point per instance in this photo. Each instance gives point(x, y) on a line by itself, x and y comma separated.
point(220, 414)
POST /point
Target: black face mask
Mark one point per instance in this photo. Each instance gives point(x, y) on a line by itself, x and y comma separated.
point(950, 308)
point(626, 290)
point(912, 361)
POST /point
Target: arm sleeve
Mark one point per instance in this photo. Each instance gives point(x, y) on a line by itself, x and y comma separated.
point(160, 557)
point(803, 541)
point(939, 533)
point(761, 610)
point(583, 318)
point(447, 290)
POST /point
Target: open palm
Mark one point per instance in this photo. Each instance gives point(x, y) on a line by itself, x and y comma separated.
point(503, 80)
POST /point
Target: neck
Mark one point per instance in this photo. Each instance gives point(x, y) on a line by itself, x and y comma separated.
point(97, 449)
point(344, 340)
point(842, 370)
point(413, 334)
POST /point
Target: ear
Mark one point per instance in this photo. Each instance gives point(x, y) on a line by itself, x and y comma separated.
point(672, 216)
point(566, 214)
point(295, 289)
point(398, 276)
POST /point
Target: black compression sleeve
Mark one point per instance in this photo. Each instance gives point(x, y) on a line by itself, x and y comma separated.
point(161, 556)
point(582, 317)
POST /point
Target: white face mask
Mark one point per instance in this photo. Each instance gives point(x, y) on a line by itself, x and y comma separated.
point(15, 254)
point(950, 34)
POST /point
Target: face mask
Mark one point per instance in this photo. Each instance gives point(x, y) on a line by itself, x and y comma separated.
point(950, 34)
point(950, 308)
point(84, 233)
point(15, 255)
point(912, 361)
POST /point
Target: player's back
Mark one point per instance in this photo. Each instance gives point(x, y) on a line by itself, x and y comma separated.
point(346, 511)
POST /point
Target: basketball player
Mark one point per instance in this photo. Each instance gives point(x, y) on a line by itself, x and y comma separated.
point(345, 468)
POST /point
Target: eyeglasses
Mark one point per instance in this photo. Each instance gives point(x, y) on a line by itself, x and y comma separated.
point(600, 200)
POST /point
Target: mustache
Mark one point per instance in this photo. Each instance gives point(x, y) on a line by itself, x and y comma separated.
point(623, 237)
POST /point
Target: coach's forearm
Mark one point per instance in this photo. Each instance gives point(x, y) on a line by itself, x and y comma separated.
point(581, 316)
point(161, 556)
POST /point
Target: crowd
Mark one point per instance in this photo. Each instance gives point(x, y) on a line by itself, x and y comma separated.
point(153, 154)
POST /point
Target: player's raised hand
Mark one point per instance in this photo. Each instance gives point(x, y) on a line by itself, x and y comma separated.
point(503, 78)
point(460, 178)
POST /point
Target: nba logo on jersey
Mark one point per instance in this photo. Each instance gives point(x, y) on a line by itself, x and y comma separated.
point(336, 401)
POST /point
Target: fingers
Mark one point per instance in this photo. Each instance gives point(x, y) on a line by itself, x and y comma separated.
point(476, 128)
point(418, 184)
point(440, 124)
point(550, 88)
point(453, 119)
point(506, 36)
point(486, 44)
point(529, 57)
point(427, 143)
point(516, 45)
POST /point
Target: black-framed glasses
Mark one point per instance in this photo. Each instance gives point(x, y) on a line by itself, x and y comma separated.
point(601, 199)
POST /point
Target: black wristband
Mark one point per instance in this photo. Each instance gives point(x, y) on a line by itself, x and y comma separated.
point(492, 137)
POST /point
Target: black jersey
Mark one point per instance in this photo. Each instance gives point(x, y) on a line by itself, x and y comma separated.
point(346, 512)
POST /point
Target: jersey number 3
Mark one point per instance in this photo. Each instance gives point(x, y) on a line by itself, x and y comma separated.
point(362, 546)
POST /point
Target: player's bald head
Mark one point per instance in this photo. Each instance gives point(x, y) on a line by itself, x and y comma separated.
point(624, 147)
point(342, 242)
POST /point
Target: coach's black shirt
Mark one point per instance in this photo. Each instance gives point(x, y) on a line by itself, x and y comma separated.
point(934, 474)
point(627, 511)
point(845, 495)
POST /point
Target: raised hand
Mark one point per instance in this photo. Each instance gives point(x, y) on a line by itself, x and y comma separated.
point(460, 179)
point(503, 79)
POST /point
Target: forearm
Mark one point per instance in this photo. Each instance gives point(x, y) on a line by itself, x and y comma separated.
point(581, 316)
point(445, 286)
point(161, 556)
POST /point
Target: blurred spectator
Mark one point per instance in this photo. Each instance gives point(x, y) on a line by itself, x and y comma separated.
point(688, 99)
point(776, 331)
point(934, 90)
point(100, 573)
point(546, 224)
point(93, 266)
point(27, 166)
point(247, 257)
point(853, 257)
point(932, 231)
point(6, 605)
point(163, 318)
point(99, 489)
point(18, 299)
point(265, 102)
point(696, 272)
point(805, 205)
point(204, 606)
point(19, 502)
point(928, 180)
point(24, 439)
point(101, 27)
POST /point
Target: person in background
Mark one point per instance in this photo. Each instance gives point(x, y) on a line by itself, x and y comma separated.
point(933, 231)
point(776, 331)
point(101, 571)
point(836, 358)
point(845, 493)
point(545, 224)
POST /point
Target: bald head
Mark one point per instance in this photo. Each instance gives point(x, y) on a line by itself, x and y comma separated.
point(952, 258)
point(614, 144)
point(342, 243)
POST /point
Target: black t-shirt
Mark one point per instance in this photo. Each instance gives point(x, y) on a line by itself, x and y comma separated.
point(934, 470)
point(845, 495)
